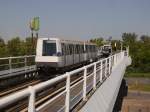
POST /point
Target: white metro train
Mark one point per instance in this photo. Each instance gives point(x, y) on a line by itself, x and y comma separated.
point(57, 53)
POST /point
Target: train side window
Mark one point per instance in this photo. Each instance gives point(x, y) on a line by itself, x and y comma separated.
point(86, 46)
point(68, 51)
point(80, 49)
point(90, 48)
point(63, 49)
point(77, 49)
point(94, 48)
point(82, 46)
point(71, 49)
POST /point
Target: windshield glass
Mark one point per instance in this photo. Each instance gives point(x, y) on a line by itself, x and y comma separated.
point(106, 47)
point(49, 48)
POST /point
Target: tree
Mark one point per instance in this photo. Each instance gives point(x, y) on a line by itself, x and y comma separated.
point(129, 38)
point(30, 45)
point(139, 51)
point(14, 46)
point(98, 41)
point(145, 38)
point(3, 50)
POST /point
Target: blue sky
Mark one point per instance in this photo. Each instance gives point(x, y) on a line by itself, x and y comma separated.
point(75, 19)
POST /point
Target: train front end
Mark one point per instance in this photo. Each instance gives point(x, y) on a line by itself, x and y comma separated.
point(48, 53)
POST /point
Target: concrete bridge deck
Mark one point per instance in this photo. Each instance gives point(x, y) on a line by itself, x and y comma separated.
point(104, 98)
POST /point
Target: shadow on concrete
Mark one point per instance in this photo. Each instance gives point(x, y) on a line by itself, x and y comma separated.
point(122, 93)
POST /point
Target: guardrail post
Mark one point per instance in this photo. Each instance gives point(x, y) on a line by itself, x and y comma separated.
point(67, 101)
point(101, 71)
point(25, 62)
point(106, 67)
point(10, 62)
point(115, 59)
point(84, 84)
point(94, 77)
point(110, 65)
point(31, 106)
point(127, 51)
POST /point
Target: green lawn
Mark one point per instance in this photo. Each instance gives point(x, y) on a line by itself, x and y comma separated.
point(146, 75)
point(140, 87)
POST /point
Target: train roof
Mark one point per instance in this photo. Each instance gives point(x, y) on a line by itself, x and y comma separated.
point(68, 41)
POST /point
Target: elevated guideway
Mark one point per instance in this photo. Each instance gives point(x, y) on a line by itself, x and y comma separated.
point(104, 98)
point(101, 80)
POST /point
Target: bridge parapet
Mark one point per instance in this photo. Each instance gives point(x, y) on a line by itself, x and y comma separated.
point(73, 92)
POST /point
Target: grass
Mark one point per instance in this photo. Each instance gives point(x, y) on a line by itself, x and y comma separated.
point(144, 75)
point(140, 87)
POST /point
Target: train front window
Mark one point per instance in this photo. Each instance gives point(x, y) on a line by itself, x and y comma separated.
point(49, 48)
point(106, 47)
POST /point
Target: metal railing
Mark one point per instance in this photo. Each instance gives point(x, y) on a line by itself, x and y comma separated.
point(102, 70)
point(10, 63)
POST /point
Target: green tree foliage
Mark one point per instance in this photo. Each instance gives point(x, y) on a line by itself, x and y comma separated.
point(139, 51)
point(98, 41)
point(30, 45)
point(129, 38)
point(17, 47)
point(3, 50)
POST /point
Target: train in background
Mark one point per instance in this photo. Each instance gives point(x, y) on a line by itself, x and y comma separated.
point(59, 54)
point(106, 50)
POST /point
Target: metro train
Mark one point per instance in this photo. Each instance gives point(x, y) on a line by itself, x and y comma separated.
point(58, 54)
point(106, 50)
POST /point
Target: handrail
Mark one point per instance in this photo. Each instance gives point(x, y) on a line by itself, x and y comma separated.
point(9, 63)
point(109, 63)
point(15, 57)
